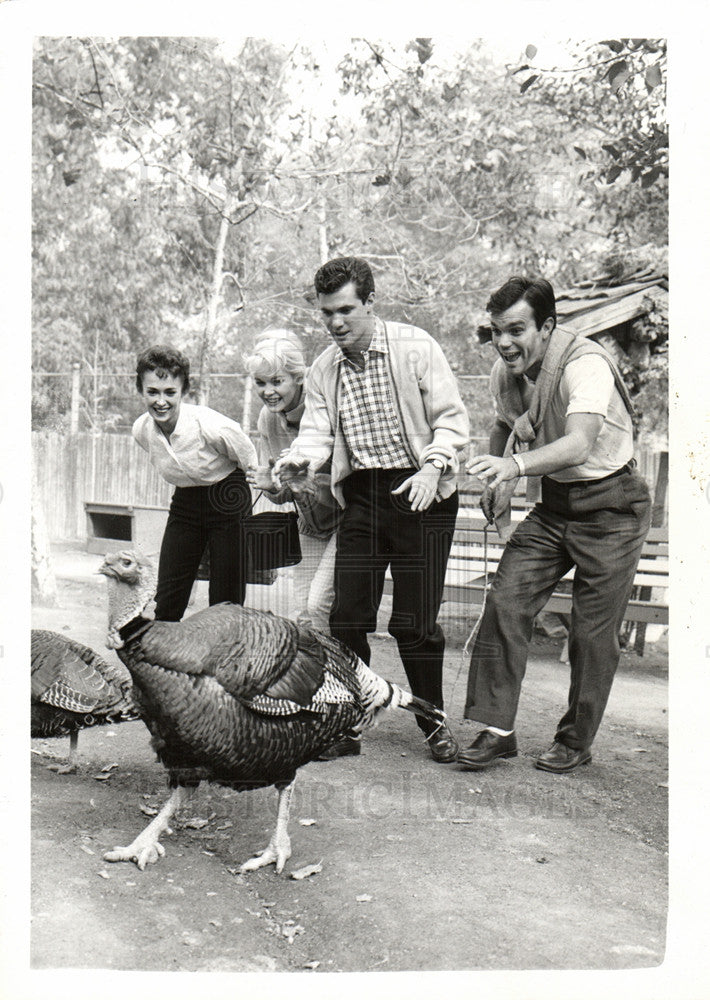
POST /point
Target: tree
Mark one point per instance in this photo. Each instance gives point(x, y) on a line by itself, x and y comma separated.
point(613, 100)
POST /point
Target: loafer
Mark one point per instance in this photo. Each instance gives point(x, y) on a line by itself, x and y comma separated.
point(348, 746)
point(442, 745)
point(560, 758)
point(487, 748)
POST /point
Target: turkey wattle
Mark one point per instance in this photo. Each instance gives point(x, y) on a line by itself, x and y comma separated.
point(238, 697)
point(73, 688)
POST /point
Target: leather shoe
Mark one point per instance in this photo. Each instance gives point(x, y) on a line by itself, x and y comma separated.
point(486, 748)
point(442, 745)
point(560, 758)
point(348, 746)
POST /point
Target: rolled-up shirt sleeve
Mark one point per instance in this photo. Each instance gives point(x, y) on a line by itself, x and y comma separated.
point(589, 382)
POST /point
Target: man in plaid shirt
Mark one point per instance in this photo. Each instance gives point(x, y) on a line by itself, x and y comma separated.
point(383, 405)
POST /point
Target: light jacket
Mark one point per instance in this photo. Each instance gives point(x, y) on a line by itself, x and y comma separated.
point(432, 417)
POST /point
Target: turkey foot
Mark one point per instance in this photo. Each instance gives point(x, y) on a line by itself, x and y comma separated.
point(278, 850)
point(146, 848)
point(70, 766)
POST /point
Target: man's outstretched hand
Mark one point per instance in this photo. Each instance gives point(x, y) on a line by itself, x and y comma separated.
point(294, 473)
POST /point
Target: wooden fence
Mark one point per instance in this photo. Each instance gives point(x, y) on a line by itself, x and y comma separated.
point(74, 468)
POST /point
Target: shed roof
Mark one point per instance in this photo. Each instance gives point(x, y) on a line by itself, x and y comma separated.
point(592, 306)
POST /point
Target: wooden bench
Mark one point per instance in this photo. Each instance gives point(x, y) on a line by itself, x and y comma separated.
point(466, 570)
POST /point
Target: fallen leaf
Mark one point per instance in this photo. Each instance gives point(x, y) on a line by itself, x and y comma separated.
point(542, 861)
point(310, 965)
point(103, 875)
point(109, 767)
point(364, 898)
point(632, 949)
point(662, 784)
point(102, 777)
point(196, 823)
point(307, 822)
point(149, 810)
point(307, 871)
point(290, 930)
point(216, 923)
point(639, 750)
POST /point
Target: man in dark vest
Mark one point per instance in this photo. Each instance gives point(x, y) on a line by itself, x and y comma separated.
point(562, 412)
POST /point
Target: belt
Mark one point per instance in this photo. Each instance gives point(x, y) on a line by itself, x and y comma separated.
point(629, 467)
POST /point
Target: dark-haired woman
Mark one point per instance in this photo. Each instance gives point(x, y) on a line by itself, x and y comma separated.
point(204, 455)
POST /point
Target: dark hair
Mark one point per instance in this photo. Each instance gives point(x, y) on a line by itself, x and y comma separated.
point(163, 360)
point(340, 271)
point(537, 292)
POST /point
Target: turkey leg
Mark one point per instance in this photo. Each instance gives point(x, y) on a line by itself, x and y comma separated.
point(70, 766)
point(146, 848)
point(278, 850)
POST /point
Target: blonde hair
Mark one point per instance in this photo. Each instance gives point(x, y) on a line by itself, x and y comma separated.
point(274, 351)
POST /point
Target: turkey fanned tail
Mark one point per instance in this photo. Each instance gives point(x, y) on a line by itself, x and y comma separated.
point(73, 687)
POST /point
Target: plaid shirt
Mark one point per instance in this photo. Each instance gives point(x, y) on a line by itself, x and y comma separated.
point(367, 413)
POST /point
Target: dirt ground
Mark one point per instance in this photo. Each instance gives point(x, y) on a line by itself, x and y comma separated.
point(424, 866)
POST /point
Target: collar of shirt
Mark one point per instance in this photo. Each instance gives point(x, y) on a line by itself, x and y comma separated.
point(183, 423)
point(293, 417)
point(378, 345)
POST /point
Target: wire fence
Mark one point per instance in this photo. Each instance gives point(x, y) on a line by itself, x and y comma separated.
point(81, 400)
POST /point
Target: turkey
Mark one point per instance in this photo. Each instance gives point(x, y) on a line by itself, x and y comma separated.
point(72, 688)
point(238, 697)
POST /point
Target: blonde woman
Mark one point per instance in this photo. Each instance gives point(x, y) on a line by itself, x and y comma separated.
point(277, 367)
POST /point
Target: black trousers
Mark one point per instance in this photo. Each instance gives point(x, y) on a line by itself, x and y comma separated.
point(598, 527)
point(380, 530)
point(202, 517)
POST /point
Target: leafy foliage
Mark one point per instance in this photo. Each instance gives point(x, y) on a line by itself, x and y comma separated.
point(614, 99)
point(186, 191)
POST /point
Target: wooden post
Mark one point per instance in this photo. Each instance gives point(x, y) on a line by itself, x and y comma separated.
point(75, 393)
point(44, 584)
point(246, 408)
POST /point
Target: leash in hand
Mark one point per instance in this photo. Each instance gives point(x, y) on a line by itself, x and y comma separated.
point(466, 651)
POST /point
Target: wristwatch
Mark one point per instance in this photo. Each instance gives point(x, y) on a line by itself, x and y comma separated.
point(438, 463)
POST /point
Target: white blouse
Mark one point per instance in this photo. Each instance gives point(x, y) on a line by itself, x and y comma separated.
point(204, 447)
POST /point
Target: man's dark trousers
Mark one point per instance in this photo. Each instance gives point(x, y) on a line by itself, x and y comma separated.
point(599, 527)
point(380, 530)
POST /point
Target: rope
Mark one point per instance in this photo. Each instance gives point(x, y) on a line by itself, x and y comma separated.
point(465, 652)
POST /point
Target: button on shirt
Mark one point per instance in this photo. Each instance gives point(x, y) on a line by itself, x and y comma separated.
point(367, 412)
point(203, 449)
